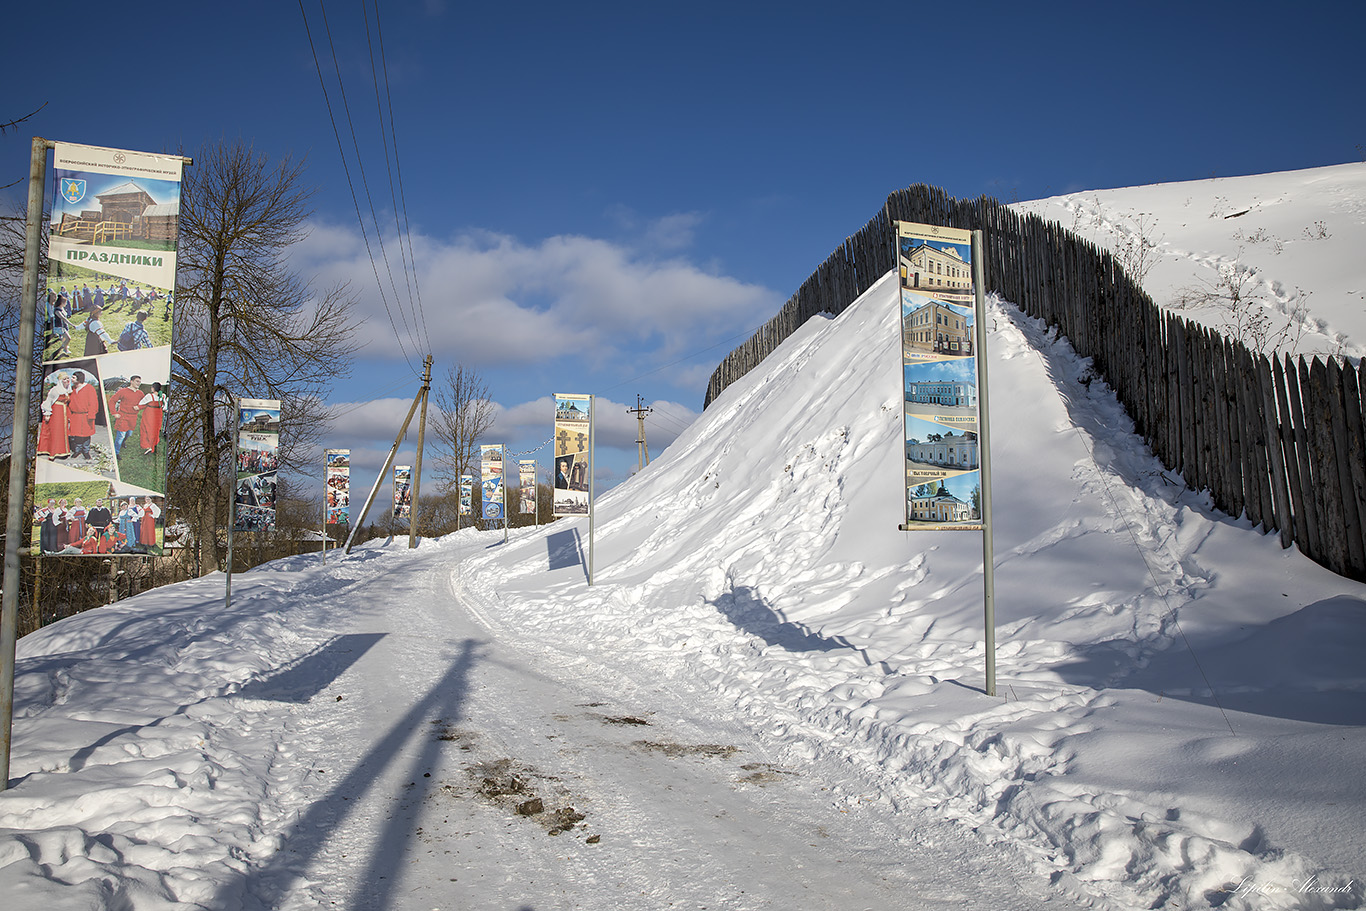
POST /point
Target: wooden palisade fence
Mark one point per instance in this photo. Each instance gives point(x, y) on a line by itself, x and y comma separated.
point(1279, 439)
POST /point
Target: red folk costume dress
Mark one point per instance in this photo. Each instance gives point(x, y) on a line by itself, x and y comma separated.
point(53, 434)
point(149, 430)
point(75, 523)
point(147, 529)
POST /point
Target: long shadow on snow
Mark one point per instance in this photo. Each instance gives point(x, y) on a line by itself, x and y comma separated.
point(306, 676)
point(298, 681)
point(141, 637)
point(565, 549)
point(1304, 667)
point(391, 851)
point(743, 607)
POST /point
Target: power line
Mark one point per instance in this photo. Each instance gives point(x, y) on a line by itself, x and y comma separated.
point(347, 171)
point(409, 273)
point(360, 164)
point(398, 168)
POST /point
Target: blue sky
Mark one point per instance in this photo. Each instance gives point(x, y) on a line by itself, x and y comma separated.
point(596, 191)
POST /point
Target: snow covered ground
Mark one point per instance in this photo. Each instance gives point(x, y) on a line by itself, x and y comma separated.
point(1290, 242)
point(769, 697)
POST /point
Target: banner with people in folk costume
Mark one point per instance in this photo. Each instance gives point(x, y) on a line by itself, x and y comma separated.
point(337, 483)
point(258, 459)
point(105, 316)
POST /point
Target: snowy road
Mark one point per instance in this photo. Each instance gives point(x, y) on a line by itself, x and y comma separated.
point(441, 724)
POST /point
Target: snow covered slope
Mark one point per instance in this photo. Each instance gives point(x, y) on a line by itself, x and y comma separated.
point(1180, 707)
point(1291, 241)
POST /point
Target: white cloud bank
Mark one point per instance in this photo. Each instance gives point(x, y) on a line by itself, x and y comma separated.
point(491, 300)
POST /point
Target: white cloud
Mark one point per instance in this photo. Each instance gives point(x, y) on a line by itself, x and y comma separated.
point(491, 300)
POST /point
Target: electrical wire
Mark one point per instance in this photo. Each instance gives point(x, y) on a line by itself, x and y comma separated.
point(351, 185)
point(402, 203)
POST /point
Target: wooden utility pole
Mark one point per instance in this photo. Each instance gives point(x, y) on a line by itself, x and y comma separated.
point(416, 509)
point(389, 460)
point(642, 448)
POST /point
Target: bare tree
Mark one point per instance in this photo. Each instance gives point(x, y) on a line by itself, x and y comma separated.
point(465, 413)
point(245, 324)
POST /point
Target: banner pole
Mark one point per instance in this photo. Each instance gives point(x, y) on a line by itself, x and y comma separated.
point(592, 481)
point(984, 459)
point(18, 462)
point(324, 507)
point(232, 495)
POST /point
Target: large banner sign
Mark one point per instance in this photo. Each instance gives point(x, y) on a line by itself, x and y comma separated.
point(105, 316)
point(526, 470)
point(337, 468)
point(491, 469)
point(258, 458)
point(403, 491)
point(466, 495)
point(939, 367)
point(573, 453)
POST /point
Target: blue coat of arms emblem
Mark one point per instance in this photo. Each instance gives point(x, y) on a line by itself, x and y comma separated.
point(73, 189)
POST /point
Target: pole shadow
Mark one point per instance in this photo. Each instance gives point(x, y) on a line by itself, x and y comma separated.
point(565, 549)
point(303, 841)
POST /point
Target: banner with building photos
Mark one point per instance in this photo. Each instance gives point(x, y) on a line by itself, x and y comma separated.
point(491, 473)
point(337, 484)
point(466, 495)
point(403, 491)
point(258, 460)
point(573, 453)
point(105, 322)
point(526, 470)
point(939, 377)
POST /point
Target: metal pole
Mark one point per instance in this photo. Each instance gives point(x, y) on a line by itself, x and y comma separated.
point(324, 507)
point(504, 492)
point(398, 440)
point(15, 526)
point(416, 510)
point(592, 482)
point(984, 460)
point(232, 496)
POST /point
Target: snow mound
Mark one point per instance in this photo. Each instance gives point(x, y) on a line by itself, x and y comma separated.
point(1138, 749)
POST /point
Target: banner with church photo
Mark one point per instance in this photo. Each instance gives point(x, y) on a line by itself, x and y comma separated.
point(105, 320)
point(337, 485)
point(258, 460)
point(492, 481)
point(939, 377)
point(573, 453)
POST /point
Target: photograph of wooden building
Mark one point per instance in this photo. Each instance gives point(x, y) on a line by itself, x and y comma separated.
point(125, 213)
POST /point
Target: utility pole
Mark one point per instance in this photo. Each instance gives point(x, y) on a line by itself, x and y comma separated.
point(383, 472)
point(416, 509)
point(642, 448)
